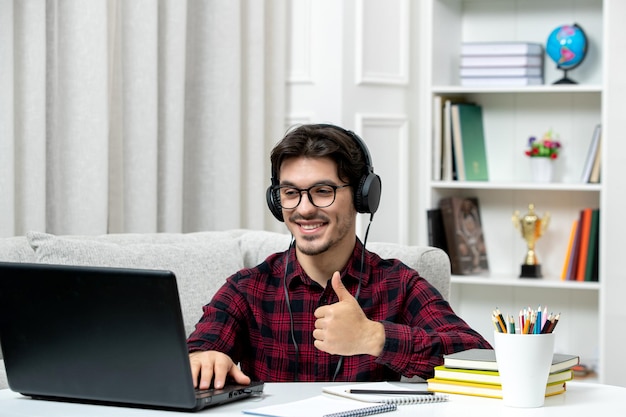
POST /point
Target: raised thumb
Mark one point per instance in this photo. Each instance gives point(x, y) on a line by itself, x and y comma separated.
point(340, 289)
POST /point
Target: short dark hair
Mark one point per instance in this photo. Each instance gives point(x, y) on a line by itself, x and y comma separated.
point(319, 141)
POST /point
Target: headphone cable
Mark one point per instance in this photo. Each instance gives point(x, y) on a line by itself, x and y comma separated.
point(288, 302)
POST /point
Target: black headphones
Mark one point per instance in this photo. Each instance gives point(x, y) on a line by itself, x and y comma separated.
point(366, 196)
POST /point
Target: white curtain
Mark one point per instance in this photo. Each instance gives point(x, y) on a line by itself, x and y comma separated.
point(138, 115)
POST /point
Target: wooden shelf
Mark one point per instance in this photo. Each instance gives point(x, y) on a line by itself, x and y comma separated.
point(524, 282)
point(530, 186)
point(551, 89)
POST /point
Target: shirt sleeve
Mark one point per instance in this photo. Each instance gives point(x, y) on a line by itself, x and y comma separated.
point(432, 330)
point(221, 321)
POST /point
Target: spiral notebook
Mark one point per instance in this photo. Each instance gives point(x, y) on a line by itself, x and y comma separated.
point(387, 392)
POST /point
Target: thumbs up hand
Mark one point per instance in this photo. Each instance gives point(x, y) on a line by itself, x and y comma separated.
point(343, 329)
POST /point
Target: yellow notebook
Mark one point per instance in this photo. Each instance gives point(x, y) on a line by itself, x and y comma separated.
point(449, 386)
point(490, 377)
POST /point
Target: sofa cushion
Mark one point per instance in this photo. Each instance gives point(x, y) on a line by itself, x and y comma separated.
point(258, 245)
point(16, 249)
point(201, 261)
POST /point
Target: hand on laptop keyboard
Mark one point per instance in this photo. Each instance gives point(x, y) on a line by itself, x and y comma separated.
point(211, 368)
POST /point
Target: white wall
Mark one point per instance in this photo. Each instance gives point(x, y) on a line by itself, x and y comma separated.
point(350, 64)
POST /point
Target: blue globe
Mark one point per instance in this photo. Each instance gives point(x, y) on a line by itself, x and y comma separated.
point(567, 47)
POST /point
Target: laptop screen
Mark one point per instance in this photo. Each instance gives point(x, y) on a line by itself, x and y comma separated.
point(94, 334)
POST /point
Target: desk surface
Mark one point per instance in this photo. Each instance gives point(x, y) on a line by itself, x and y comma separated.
point(581, 399)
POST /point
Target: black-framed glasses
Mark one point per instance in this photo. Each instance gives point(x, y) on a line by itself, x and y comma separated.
point(320, 195)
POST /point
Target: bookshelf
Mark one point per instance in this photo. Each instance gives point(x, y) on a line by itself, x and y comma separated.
point(510, 116)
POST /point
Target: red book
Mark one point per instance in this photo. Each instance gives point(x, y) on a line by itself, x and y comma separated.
point(585, 228)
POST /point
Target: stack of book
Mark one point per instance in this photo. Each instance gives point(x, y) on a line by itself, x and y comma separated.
point(582, 257)
point(501, 63)
point(475, 372)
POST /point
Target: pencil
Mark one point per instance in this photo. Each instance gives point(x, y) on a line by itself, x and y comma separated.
point(526, 325)
point(556, 320)
point(389, 392)
point(511, 324)
point(496, 325)
point(538, 322)
point(498, 315)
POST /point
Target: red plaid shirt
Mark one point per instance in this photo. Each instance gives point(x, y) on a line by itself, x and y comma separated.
point(248, 319)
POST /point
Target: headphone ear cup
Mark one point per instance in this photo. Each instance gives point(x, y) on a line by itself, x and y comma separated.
point(273, 202)
point(367, 196)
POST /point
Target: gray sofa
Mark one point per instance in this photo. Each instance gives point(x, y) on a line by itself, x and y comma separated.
point(201, 261)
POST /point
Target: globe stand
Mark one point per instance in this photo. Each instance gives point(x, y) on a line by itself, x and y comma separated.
point(565, 79)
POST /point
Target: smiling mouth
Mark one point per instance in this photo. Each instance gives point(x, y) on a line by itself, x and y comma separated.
point(311, 226)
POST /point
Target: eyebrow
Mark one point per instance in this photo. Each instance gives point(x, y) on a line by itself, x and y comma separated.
point(321, 182)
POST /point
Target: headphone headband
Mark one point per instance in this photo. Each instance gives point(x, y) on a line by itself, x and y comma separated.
point(366, 195)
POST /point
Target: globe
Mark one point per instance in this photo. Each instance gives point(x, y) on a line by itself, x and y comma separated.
point(567, 47)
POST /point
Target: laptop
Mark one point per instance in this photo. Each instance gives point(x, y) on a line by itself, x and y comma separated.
point(100, 335)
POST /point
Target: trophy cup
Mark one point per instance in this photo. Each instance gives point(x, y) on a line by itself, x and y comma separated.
point(532, 228)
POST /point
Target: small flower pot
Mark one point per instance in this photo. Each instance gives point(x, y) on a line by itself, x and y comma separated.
point(542, 169)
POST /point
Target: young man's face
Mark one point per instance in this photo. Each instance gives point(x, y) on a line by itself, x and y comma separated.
point(316, 230)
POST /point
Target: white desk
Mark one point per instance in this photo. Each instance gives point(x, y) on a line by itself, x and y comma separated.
point(580, 400)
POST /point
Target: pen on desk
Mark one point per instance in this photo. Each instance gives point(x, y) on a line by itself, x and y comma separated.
point(388, 392)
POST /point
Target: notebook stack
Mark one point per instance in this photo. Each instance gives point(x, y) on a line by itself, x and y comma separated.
point(501, 63)
point(475, 372)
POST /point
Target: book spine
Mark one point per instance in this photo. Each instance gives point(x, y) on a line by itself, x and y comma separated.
point(594, 177)
point(592, 251)
point(591, 155)
point(571, 267)
point(568, 255)
point(457, 143)
point(502, 61)
point(585, 229)
point(447, 215)
point(437, 137)
point(501, 48)
point(474, 152)
point(436, 231)
point(501, 81)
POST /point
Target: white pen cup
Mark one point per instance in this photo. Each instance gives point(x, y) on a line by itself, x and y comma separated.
point(524, 362)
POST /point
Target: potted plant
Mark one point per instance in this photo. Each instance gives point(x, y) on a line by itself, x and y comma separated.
point(542, 153)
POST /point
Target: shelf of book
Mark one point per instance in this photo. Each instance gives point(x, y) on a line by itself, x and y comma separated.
point(554, 283)
point(512, 115)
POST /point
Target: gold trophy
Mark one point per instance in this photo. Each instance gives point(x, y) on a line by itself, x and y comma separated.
point(532, 228)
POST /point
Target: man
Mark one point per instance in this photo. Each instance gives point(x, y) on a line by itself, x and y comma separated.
point(326, 308)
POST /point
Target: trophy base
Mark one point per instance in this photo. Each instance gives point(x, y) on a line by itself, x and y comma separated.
point(530, 271)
